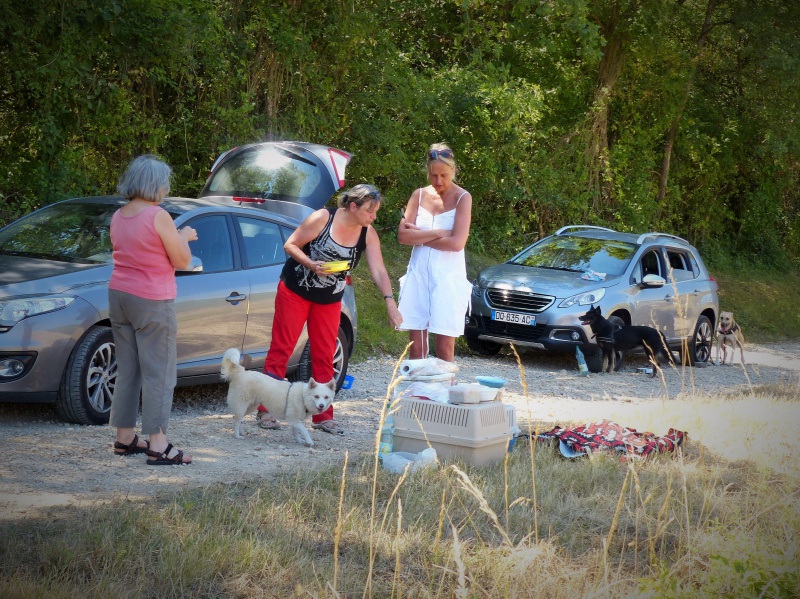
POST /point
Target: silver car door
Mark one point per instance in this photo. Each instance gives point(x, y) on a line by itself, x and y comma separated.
point(681, 277)
point(653, 306)
point(263, 258)
point(212, 305)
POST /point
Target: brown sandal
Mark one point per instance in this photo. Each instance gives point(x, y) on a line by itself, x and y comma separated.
point(266, 421)
point(161, 459)
point(329, 426)
point(122, 449)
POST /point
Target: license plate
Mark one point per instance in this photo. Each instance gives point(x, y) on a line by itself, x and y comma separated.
point(513, 317)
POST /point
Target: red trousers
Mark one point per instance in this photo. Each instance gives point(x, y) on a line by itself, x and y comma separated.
point(322, 320)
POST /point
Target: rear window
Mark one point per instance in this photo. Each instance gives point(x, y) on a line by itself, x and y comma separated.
point(579, 254)
point(265, 173)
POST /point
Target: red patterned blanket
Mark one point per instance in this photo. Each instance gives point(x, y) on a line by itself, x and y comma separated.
point(609, 435)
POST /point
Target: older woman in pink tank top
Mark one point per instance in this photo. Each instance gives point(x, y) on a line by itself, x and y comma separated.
point(147, 249)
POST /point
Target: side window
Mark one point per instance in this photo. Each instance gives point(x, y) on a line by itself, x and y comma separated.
point(213, 244)
point(651, 265)
point(679, 265)
point(263, 243)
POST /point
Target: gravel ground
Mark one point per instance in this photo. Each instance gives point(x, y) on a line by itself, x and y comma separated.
point(49, 463)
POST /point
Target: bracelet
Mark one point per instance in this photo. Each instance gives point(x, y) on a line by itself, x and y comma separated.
point(389, 296)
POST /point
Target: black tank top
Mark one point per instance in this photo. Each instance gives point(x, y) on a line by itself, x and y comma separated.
point(323, 289)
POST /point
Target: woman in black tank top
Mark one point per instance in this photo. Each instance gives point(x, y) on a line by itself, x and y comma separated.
point(310, 293)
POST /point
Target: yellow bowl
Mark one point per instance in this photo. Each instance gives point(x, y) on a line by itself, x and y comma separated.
point(336, 266)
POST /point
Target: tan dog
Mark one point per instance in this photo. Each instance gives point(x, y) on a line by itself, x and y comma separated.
point(729, 334)
point(293, 401)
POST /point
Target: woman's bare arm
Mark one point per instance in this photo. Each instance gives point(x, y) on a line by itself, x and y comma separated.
point(408, 233)
point(381, 277)
point(176, 242)
point(457, 240)
point(305, 233)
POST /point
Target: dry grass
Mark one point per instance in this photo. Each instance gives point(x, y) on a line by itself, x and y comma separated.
point(722, 517)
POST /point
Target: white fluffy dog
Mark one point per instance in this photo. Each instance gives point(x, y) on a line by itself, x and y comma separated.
point(284, 400)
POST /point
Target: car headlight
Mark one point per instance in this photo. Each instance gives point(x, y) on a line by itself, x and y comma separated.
point(584, 299)
point(14, 310)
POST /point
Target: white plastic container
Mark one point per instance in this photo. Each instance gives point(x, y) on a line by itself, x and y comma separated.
point(465, 393)
point(488, 393)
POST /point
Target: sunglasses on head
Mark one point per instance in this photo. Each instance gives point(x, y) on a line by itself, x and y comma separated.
point(434, 154)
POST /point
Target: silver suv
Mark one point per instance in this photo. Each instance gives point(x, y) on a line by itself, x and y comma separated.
point(654, 279)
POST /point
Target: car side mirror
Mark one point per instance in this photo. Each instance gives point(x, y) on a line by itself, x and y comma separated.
point(195, 265)
point(653, 281)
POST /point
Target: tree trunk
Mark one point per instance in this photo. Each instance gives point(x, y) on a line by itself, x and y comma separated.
point(597, 148)
point(673, 130)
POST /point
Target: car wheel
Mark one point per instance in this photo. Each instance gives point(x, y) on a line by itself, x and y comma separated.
point(87, 385)
point(484, 348)
point(594, 360)
point(699, 346)
point(340, 361)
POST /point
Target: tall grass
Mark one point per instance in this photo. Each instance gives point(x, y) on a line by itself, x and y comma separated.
point(719, 518)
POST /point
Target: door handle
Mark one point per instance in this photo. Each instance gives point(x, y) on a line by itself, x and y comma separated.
point(235, 298)
point(668, 297)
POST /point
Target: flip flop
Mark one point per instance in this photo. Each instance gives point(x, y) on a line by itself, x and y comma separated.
point(159, 458)
point(122, 449)
point(329, 426)
point(267, 422)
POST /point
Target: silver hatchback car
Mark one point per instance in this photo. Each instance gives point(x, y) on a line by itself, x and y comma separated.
point(652, 279)
point(55, 338)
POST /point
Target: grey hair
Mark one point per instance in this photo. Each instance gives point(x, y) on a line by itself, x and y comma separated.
point(146, 177)
point(360, 195)
point(451, 161)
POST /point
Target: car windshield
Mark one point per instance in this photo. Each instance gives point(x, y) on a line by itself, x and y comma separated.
point(67, 232)
point(265, 173)
point(578, 254)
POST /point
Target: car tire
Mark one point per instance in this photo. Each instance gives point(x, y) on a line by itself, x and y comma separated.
point(87, 385)
point(699, 345)
point(484, 348)
point(341, 359)
point(594, 360)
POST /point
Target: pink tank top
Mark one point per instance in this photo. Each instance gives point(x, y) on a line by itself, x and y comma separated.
point(141, 265)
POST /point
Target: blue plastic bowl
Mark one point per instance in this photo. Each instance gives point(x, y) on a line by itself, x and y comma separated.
point(491, 381)
point(348, 381)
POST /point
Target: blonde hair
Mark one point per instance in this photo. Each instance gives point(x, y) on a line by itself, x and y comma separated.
point(435, 155)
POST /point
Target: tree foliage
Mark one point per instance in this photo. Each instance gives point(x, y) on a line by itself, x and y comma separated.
point(675, 115)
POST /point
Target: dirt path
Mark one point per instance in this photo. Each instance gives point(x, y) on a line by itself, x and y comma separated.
point(48, 463)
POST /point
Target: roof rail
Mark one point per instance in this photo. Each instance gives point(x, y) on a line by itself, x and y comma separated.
point(644, 236)
point(568, 227)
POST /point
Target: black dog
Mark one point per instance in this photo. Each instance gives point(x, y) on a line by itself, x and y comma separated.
point(624, 338)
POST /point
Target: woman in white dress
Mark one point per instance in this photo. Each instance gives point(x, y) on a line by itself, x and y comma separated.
point(435, 292)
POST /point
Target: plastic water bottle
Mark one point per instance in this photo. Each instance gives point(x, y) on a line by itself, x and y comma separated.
point(583, 370)
point(387, 435)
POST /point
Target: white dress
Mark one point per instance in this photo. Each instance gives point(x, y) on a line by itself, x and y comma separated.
point(435, 292)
